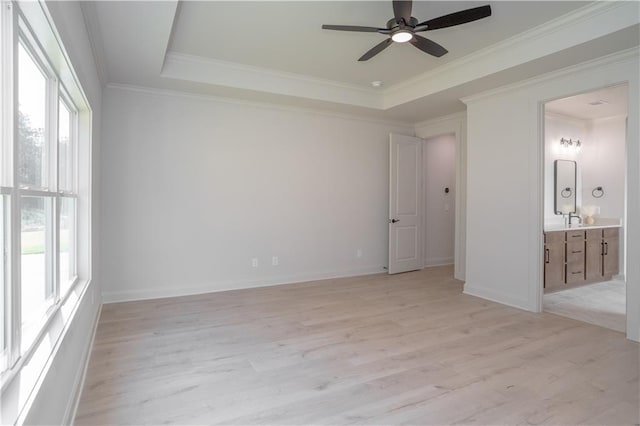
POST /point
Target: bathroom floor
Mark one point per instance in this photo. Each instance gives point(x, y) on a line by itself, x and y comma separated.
point(602, 304)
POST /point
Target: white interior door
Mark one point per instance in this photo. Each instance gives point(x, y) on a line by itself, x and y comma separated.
point(405, 204)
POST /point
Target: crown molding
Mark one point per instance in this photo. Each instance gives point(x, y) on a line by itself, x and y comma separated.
point(92, 25)
point(255, 104)
point(230, 74)
point(587, 23)
point(628, 55)
point(456, 117)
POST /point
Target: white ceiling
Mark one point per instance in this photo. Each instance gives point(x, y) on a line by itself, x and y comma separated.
point(276, 52)
point(287, 36)
point(580, 106)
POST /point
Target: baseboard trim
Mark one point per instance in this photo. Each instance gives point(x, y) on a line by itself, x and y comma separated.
point(483, 293)
point(227, 285)
point(78, 385)
point(438, 261)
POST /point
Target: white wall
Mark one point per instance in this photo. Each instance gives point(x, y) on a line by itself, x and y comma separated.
point(603, 164)
point(54, 399)
point(505, 183)
point(194, 188)
point(439, 171)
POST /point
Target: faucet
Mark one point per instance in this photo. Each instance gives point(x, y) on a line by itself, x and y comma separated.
point(571, 215)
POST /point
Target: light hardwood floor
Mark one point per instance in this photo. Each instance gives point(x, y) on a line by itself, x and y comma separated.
point(602, 304)
point(403, 349)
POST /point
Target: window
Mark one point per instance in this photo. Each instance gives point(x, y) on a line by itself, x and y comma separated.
point(39, 172)
point(32, 103)
point(36, 287)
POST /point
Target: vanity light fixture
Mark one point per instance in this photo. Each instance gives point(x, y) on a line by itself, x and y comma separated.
point(570, 143)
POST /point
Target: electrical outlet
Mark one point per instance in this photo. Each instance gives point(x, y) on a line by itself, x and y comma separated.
point(254, 262)
point(275, 261)
point(359, 253)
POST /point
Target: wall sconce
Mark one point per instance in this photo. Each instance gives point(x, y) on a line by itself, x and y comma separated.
point(570, 143)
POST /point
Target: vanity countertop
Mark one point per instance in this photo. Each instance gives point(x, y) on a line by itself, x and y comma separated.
point(599, 223)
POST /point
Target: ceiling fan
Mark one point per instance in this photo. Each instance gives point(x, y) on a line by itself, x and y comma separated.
point(403, 27)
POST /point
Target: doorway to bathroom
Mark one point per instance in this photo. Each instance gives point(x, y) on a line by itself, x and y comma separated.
point(584, 207)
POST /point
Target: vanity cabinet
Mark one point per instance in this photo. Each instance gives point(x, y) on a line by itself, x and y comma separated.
point(577, 257)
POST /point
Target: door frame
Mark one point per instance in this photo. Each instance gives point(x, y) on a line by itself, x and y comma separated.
point(539, 288)
point(454, 124)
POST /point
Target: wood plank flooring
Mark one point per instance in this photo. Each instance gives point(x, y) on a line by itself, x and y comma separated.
point(402, 349)
point(602, 304)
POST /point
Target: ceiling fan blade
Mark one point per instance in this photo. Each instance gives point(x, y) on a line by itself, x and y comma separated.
point(428, 46)
point(353, 28)
point(402, 10)
point(453, 19)
point(375, 50)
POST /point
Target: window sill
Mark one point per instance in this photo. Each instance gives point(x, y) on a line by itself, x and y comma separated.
point(33, 361)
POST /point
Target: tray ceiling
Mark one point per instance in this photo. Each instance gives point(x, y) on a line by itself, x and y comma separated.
point(276, 52)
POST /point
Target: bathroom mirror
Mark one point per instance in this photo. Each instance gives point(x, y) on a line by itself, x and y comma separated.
point(564, 173)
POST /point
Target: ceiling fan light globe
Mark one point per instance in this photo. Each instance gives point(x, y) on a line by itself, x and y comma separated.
point(401, 36)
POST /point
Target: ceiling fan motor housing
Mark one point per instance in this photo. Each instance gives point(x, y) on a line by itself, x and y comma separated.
point(392, 24)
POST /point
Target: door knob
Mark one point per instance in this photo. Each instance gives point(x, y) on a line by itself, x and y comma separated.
point(395, 220)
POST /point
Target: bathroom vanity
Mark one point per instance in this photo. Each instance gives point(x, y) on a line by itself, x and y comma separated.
point(579, 255)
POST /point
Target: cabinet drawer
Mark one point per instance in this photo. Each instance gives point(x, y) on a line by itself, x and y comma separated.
point(610, 232)
point(575, 235)
point(594, 234)
point(554, 237)
point(575, 252)
point(575, 271)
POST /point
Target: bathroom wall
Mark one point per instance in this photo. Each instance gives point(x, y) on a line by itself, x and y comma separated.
point(601, 162)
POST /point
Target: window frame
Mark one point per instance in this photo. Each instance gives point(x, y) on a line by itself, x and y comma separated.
point(15, 31)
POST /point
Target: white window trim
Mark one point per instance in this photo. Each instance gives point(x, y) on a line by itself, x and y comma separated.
point(36, 16)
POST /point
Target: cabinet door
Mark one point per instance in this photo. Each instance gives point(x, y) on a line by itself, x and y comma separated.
point(554, 265)
point(611, 256)
point(593, 254)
